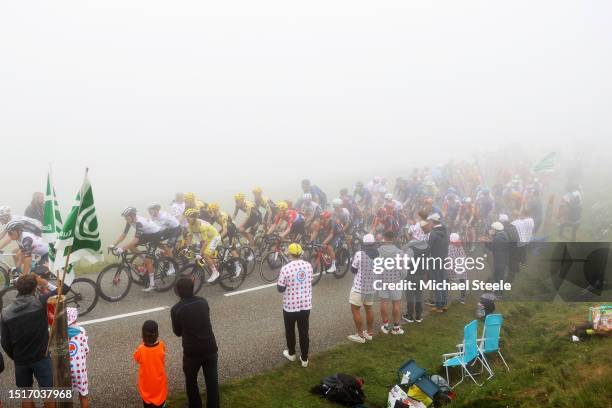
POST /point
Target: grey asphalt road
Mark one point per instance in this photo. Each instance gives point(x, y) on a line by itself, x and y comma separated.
point(248, 328)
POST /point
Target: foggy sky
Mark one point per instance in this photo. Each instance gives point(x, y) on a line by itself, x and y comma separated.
point(217, 97)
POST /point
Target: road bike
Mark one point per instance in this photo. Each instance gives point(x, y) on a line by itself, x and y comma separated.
point(226, 264)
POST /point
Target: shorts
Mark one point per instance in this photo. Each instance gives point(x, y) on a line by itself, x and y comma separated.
point(171, 235)
point(298, 227)
point(40, 369)
point(253, 221)
point(151, 240)
point(210, 246)
point(336, 241)
point(393, 295)
point(360, 299)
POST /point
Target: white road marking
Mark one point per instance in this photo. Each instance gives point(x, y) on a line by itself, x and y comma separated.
point(240, 292)
point(121, 316)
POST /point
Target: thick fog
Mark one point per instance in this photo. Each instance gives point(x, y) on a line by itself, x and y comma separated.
point(218, 97)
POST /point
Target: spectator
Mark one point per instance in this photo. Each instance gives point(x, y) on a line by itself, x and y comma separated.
point(78, 350)
point(438, 251)
point(414, 298)
point(25, 336)
point(524, 227)
point(390, 276)
point(191, 321)
point(36, 207)
point(513, 251)
point(570, 213)
point(362, 292)
point(151, 359)
point(458, 272)
point(295, 283)
point(499, 247)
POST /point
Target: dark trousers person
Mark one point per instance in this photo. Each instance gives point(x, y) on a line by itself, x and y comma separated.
point(301, 320)
point(513, 263)
point(414, 298)
point(191, 368)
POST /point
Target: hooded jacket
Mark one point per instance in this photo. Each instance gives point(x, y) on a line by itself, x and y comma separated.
point(500, 249)
point(438, 243)
point(24, 329)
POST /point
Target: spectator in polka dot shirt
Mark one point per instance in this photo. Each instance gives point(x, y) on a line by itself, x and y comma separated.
point(295, 283)
point(78, 348)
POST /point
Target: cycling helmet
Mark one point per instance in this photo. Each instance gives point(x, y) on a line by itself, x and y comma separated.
point(295, 249)
point(257, 190)
point(337, 202)
point(388, 196)
point(282, 205)
point(307, 196)
point(5, 211)
point(192, 213)
point(14, 226)
point(154, 206)
point(326, 215)
point(213, 207)
point(189, 196)
point(128, 211)
point(239, 197)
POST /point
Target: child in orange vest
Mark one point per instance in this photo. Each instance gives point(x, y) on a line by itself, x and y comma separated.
point(151, 358)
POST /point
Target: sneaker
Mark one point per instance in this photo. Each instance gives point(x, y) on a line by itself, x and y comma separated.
point(170, 270)
point(367, 335)
point(148, 288)
point(290, 357)
point(332, 268)
point(418, 319)
point(397, 330)
point(384, 328)
point(356, 338)
point(408, 318)
point(213, 277)
point(304, 363)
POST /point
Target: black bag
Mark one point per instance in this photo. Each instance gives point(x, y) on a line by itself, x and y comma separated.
point(340, 388)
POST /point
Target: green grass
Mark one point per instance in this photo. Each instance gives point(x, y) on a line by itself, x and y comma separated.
point(546, 368)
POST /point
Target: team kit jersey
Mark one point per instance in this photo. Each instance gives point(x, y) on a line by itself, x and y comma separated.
point(165, 220)
point(144, 227)
point(205, 230)
point(296, 277)
point(30, 244)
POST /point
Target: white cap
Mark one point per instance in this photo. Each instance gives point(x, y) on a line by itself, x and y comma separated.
point(434, 217)
point(503, 218)
point(454, 237)
point(497, 226)
point(388, 196)
point(368, 239)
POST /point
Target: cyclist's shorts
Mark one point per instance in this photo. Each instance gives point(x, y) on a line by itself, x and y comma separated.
point(171, 235)
point(41, 268)
point(336, 240)
point(210, 246)
point(253, 220)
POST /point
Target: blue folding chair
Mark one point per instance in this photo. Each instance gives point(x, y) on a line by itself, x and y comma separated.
point(489, 343)
point(467, 355)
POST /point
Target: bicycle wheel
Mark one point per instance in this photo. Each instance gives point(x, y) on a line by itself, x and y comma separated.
point(196, 273)
point(8, 296)
point(248, 256)
point(343, 262)
point(317, 268)
point(114, 282)
point(270, 265)
point(165, 274)
point(83, 295)
point(136, 263)
point(229, 279)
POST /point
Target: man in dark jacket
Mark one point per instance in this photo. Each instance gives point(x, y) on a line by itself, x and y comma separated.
point(500, 249)
point(35, 209)
point(513, 250)
point(438, 251)
point(25, 336)
point(191, 321)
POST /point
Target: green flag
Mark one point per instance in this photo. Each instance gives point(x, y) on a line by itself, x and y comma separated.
point(546, 164)
point(52, 218)
point(79, 238)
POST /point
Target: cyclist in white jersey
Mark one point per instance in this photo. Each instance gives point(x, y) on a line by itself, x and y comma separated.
point(170, 229)
point(147, 232)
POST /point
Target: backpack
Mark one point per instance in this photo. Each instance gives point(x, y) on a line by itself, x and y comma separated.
point(341, 388)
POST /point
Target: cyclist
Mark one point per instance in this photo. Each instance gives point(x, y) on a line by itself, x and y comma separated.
point(341, 214)
point(224, 221)
point(28, 224)
point(310, 210)
point(170, 229)
point(147, 233)
point(330, 233)
point(253, 217)
point(362, 196)
point(451, 206)
point(177, 208)
point(209, 239)
point(293, 220)
point(386, 219)
point(264, 203)
point(317, 194)
point(191, 201)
